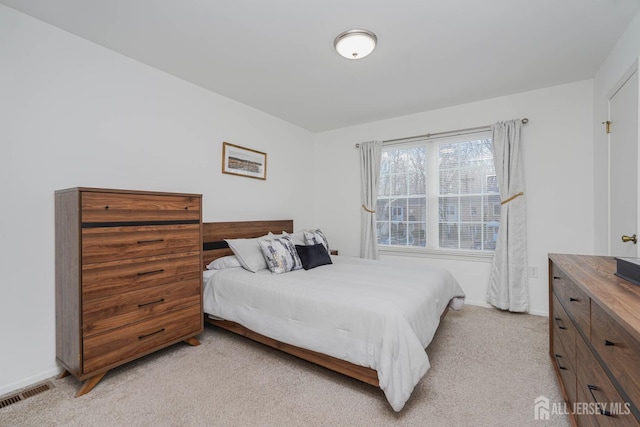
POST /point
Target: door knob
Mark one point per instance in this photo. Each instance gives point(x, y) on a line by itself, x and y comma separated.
point(633, 239)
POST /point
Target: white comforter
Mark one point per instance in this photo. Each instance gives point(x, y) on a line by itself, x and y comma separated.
point(369, 313)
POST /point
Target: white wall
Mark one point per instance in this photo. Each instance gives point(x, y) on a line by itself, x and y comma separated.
point(620, 60)
point(558, 159)
point(75, 114)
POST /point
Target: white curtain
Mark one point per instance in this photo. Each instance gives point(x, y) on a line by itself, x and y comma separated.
point(508, 280)
point(370, 155)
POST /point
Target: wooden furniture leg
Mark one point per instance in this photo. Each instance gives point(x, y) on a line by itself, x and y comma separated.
point(90, 384)
point(63, 374)
point(192, 341)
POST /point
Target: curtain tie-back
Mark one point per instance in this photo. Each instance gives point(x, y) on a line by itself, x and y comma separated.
point(368, 210)
point(512, 197)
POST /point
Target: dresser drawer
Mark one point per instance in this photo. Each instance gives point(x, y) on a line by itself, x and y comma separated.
point(119, 310)
point(564, 331)
point(124, 344)
point(600, 393)
point(122, 207)
point(105, 244)
point(558, 281)
point(586, 418)
point(104, 280)
point(577, 303)
point(619, 350)
point(566, 369)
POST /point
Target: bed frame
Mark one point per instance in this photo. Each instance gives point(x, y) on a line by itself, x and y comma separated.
point(214, 246)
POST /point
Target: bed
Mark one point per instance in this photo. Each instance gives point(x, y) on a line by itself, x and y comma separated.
point(362, 318)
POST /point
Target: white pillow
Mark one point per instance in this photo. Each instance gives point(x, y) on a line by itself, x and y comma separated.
point(221, 263)
point(249, 253)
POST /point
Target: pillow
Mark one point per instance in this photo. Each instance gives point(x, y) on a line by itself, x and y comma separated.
point(297, 237)
point(313, 237)
point(221, 263)
point(313, 256)
point(248, 253)
point(280, 254)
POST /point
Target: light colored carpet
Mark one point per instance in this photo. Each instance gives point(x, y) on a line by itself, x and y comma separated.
point(487, 368)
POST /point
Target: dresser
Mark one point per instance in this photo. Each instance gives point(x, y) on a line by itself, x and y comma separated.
point(594, 337)
point(128, 277)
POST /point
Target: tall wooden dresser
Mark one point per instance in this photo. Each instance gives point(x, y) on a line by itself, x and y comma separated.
point(594, 333)
point(128, 277)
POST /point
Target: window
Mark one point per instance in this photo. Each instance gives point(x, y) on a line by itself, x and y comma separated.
point(439, 194)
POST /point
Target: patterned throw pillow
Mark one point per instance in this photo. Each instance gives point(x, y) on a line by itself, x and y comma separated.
point(313, 237)
point(280, 254)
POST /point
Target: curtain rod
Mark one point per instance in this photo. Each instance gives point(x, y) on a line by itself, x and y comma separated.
point(451, 132)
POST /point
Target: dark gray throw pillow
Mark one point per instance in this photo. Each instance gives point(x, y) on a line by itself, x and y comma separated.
point(313, 255)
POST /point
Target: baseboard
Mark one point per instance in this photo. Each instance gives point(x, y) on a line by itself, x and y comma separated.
point(484, 304)
point(539, 313)
point(9, 388)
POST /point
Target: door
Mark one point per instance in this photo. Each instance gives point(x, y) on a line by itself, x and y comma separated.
point(623, 169)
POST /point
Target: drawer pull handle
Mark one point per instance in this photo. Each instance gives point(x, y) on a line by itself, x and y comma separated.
point(600, 407)
point(106, 207)
point(141, 337)
point(558, 357)
point(560, 323)
point(607, 342)
point(144, 273)
point(572, 299)
point(557, 278)
point(140, 242)
point(149, 303)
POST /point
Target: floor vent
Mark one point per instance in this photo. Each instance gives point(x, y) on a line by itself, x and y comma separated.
point(25, 394)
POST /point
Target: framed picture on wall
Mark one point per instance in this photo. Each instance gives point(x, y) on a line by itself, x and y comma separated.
point(242, 161)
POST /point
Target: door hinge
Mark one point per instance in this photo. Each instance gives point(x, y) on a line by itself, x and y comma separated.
point(607, 127)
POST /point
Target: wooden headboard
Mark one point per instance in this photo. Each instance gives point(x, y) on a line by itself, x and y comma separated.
point(214, 233)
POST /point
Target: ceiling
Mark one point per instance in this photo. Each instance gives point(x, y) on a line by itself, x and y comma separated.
point(277, 56)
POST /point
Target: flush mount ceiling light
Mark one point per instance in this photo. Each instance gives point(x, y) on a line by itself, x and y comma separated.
point(355, 44)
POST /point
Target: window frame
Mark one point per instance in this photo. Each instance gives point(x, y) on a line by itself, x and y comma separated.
point(432, 144)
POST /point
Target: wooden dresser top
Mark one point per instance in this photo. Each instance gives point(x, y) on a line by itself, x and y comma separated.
point(595, 275)
point(112, 190)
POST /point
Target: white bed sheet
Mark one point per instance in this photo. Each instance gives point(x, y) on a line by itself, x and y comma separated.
point(369, 313)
